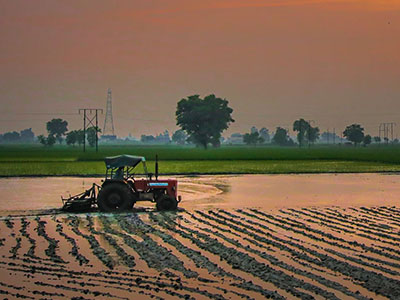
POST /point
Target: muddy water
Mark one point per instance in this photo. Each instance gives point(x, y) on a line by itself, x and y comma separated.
point(262, 191)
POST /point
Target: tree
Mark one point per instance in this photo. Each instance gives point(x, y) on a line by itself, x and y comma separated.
point(354, 133)
point(204, 119)
point(49, 141)
point(301, 126)
point(57, 128)
point(252, 138)
point(377, 139)
point(367, 140)
point(147, 138)
point(72, 137)
point(264, 133)
point(11, 137)
point(27, 135)
point(91, 135)
point(312, 134)
point(42, 139)
point(80, 137)
point(163, 138)
point(179, 137)
point(281, 137)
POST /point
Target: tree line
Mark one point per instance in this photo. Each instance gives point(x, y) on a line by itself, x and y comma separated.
point(201, 122)
point(24, 136)
point(57, 130)
point(204, 120)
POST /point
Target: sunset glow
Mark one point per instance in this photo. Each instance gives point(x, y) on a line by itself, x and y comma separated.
point(273, 60)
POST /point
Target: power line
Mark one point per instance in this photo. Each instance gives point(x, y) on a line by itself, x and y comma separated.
point(40, 113)
point(90, 121)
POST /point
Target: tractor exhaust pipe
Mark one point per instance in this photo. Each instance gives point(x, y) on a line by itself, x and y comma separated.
point(156, 171)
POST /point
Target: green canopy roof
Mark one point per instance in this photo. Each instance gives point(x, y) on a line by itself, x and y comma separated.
point(123, 161)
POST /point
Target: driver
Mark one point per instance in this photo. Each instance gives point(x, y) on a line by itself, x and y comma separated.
point(119, 174)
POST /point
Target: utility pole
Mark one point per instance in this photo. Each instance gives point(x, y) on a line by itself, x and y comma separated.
point(334, 135)
point(327, 136)
point(385, 128)
point(87, 121)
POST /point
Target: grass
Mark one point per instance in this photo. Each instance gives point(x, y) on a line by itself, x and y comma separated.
point(35, 160)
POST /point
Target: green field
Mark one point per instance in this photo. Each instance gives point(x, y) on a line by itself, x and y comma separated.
point(36, 160)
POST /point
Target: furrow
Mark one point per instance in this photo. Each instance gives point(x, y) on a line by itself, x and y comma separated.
point(282, 265)
point(53, 243)
point(371, 280)
point(99, 252)
point(128, 260)
point(337, 239)
point(164, 221)
point(245, 262)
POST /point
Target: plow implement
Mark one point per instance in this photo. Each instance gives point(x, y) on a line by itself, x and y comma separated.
point(83, 201)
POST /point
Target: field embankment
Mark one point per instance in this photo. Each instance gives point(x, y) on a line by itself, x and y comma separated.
point(61, 160)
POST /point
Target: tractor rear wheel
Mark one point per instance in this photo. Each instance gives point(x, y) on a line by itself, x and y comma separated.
point(165, 202)
point(115, 197)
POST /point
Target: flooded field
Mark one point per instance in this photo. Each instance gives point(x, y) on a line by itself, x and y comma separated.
point(250, 237)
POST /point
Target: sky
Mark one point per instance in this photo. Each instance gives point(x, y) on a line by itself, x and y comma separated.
point(336, 62)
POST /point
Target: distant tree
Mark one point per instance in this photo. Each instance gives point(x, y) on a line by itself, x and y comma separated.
point(354, 133)
point(367, 140)
point(312, 134)
point(80, 137)
point(377, 139)
point(72, 137)
point(301, 126)
point(42, 139)
point(147, 139)
point(11, 137)
point(252, 138)
point(386, 139)
point(27, 135)
point(395, 141)
point(163, 138)
point(253, 129)
point(91, 134)
point(281, 137)
point(58, 128)
point(264, 133)
point(47, 141)
point(51, 140)
point(204, 119)
point(179, 137)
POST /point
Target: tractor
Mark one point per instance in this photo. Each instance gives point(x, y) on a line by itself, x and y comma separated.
point(120, 190)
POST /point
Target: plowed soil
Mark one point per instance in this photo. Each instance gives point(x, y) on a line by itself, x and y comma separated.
point(212, 248)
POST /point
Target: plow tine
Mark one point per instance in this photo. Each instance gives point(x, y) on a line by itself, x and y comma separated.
point(82, 201)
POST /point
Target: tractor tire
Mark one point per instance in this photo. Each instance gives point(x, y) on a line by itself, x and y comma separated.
point(115, 197)
point(166, 202)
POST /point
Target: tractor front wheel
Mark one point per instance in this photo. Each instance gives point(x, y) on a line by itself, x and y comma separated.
point(115, 197)
point(165, 202)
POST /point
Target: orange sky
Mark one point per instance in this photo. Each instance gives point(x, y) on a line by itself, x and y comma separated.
point(335, 62)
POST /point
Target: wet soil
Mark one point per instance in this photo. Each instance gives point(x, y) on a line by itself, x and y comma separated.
point(273, 243)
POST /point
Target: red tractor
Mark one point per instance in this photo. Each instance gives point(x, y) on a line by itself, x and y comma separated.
point(121, 190)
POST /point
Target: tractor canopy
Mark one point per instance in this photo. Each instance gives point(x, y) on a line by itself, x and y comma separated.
point(114, 162)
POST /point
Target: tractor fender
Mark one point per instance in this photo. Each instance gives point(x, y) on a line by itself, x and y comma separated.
point(108, 181)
